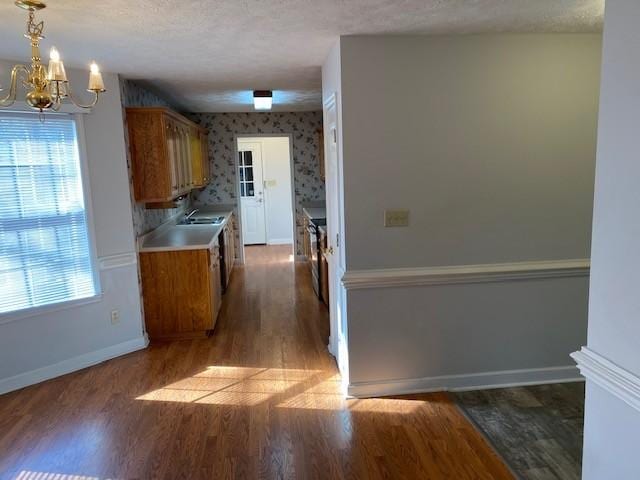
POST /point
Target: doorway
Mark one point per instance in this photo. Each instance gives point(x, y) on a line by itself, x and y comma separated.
point(265, 190)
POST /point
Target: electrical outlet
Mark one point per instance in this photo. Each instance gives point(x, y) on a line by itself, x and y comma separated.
point(396, 218)
point(115, 317)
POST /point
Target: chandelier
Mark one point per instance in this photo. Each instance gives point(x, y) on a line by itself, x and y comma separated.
point(47, 86)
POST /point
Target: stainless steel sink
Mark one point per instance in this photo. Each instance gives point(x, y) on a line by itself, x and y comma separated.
point(202, 220)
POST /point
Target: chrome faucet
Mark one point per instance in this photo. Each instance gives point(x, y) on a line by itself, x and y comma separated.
point(187, 216)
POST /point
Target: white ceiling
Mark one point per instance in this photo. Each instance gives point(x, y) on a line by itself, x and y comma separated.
point(209, 55)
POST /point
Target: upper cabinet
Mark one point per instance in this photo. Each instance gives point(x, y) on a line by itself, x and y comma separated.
point(169, 154)
point(199, 156)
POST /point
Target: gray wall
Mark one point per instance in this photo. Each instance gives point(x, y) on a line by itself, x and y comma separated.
point(38, 347)
point(612, 428)
point(489, 141)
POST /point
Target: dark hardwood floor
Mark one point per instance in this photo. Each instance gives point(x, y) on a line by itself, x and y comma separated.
point(537, 430)
point(261, 398)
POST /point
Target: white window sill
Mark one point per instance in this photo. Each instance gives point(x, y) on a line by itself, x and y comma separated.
point(46, 309)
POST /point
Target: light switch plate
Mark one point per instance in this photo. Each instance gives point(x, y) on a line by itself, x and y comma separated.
point(396, 218)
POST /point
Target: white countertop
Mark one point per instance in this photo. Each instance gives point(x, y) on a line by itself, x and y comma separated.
point(315, 212)
point(183, 237)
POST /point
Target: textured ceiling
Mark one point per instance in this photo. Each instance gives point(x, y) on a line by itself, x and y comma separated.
point(209, 55)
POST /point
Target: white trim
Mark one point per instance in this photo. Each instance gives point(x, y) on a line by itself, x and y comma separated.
point(616, 380)
point(471, 381)
point(279, 241)
point(244, 136)
point(71, 365)
point(454, 274)
point(88, 198)
point(118, 260)
point(48, 308)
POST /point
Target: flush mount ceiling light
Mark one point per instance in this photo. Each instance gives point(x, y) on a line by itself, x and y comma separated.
point(48, 86)
point(262, 99)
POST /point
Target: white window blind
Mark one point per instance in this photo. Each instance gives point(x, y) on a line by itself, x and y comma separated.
point(45, 256)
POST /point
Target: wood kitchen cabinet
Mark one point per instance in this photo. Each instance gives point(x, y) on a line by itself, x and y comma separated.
point(228, 251)
point(199, 157)
point(182, 292)
point(169, 156)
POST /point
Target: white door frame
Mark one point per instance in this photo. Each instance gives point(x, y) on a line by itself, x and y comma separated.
point(337, 321)
point(239, 136)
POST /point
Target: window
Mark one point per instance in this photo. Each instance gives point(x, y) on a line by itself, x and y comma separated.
point(245, 167)
point(45, 254)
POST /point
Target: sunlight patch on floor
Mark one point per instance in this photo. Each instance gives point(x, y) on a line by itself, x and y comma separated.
point(326, 395)
point(240, 386)
point(31, 475)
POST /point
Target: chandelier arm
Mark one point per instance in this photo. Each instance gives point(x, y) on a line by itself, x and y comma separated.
point(10, 98)
point(80, 105)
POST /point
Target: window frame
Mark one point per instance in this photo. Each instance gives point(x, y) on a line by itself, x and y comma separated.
point(89, 219)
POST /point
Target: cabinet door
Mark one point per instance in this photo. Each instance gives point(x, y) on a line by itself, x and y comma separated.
point(180, 153)
point(216, 284)
point(196, 157)
point(232, 243)
point(228, 253)
point(173, 160)
point(188, 161)
point(177, 293)
point(204, 147)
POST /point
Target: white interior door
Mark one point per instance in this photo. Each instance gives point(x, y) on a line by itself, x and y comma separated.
point(333, 224)
point(251, 193)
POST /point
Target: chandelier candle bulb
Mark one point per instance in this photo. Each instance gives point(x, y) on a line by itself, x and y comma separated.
point(56, 67)
point(95, 79)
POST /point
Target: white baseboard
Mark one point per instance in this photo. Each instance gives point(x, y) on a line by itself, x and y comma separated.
point(613, 378)
point(472, 381)
point(280, 241)
point(71, 365)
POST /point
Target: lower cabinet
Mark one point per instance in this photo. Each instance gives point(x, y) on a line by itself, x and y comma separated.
point(182, 292)
point(227, 240)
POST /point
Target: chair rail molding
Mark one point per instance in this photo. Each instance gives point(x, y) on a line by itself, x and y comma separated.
point(613, 378)
point(116, 261)
point(456, 274)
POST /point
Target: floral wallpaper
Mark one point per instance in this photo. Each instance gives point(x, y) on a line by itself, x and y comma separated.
point(144, 220)
point(222, 128)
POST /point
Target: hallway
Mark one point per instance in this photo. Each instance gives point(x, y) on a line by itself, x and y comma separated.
point(260, 398)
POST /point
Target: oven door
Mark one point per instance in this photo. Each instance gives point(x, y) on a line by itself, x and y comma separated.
point(313, 246)
point(313, 261)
